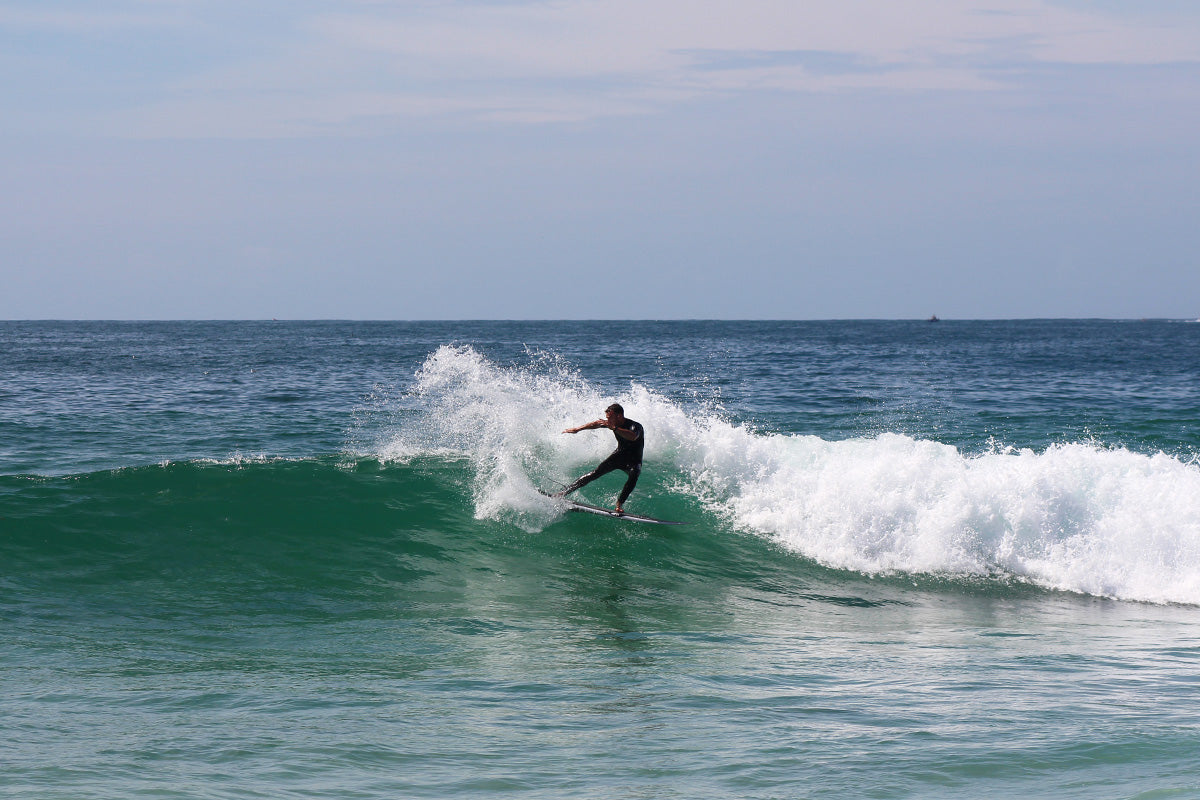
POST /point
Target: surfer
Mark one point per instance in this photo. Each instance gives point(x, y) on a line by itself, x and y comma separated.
point(627, 456)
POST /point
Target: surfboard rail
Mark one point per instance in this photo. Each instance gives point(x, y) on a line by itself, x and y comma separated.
point(588, 508)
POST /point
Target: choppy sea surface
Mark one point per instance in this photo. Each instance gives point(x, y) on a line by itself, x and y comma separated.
point(310, 560)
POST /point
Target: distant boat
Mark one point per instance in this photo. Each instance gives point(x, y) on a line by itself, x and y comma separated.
point(934, 318)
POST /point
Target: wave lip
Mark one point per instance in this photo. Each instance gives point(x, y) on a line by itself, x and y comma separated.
point(1077, 517)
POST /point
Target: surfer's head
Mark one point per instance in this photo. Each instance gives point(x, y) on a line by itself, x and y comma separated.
point(615, 412)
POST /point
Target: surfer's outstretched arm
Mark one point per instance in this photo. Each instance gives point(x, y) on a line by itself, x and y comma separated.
point(596, 423)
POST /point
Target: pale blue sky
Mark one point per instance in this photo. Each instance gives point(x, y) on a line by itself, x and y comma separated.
point(654, 159)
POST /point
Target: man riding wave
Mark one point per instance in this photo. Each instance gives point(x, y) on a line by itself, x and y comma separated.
point(627, 456)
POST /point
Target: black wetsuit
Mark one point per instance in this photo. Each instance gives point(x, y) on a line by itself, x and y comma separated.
point(627, 457)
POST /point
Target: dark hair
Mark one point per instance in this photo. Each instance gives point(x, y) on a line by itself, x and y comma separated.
point(617, 408)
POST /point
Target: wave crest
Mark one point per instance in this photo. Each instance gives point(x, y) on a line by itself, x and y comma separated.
point(1076, 517)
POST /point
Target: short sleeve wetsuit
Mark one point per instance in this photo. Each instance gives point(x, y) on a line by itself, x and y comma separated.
point(627, 457)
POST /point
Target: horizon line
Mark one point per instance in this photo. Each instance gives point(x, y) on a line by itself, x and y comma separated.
point(597, 319)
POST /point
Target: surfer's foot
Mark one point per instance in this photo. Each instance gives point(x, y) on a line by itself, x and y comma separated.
point(619, 510)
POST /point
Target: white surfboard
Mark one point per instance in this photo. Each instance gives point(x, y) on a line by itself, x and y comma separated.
point(588, 508)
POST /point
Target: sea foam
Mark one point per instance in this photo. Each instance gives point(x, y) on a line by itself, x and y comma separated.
point(1078, 517)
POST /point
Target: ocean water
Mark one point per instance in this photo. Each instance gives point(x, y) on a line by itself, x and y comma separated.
point(310, 560)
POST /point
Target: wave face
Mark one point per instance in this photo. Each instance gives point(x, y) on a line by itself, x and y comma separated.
point(1078, 517)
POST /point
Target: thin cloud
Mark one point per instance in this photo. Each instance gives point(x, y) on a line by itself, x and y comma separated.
point(324, 68)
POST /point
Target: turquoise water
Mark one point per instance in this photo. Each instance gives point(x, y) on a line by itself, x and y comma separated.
point(310, 560)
